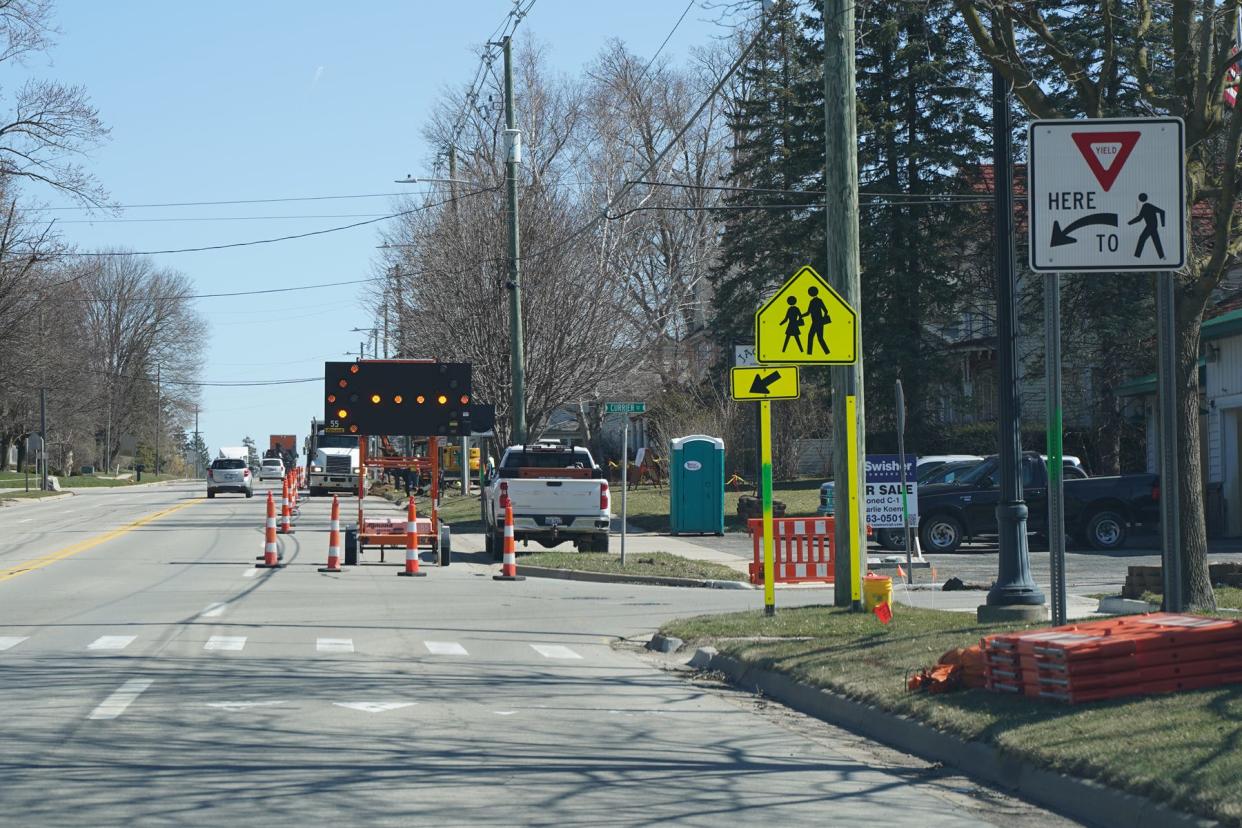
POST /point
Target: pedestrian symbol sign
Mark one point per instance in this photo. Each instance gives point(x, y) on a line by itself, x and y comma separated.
point(1107, 194)
point(806, 323)
point(770, 382)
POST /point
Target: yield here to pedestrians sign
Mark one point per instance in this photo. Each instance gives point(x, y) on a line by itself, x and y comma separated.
point(1107, 194)
point(807, 323)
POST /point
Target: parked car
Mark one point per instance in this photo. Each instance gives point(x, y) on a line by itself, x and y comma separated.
point(1099, 511)
point(273, 468)
point(925, 465)
point(229, 474)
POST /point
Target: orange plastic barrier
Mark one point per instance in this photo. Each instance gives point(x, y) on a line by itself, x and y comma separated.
point(802, 550)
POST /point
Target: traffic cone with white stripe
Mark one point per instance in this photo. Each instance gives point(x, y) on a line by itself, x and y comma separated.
point(271, 555)
point(411, 543)
point(334, 540)
point(286, 511)
point(508, 565)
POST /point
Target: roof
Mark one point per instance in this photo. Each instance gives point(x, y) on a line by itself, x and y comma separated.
point(1146, 385)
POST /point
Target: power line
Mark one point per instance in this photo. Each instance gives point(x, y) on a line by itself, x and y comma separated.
point(669, 37)
point(325, 231)
point(213, 218)
point(294, 289)
point(232, 201)
point(487, 57)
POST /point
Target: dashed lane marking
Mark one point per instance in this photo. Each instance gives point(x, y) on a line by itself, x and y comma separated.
point(8, 642)
point(554, 651)
point(213, 611)
point(115, 704)
point(111, 642)
point(90, 543)
point(445, 648)
point(334, 645)
point(227, 643)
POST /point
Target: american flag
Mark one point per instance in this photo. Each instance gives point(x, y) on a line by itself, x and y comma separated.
point(1232, 75)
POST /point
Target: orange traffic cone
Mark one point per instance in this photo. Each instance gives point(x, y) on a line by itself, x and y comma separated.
point(271, 559)
point(411, 543)
point(508, 564)
point(334, 540)
point(286, 511)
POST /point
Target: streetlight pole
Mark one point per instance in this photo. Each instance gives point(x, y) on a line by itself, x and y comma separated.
point(513, 151)
point(157, 418)
point(1015, 596)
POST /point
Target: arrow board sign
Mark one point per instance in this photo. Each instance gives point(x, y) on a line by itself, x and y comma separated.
point(771, 382)
point(1107, 194)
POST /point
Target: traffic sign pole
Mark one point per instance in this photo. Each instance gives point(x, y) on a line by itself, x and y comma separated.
point(1056, 487)
point(769, 551)
point(905, 501)
point(857, 530)
point(1170, 516)
point(625, 479)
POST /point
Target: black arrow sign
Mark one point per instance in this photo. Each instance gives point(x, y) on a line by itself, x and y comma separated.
point(1062, 236)
point(763, 385)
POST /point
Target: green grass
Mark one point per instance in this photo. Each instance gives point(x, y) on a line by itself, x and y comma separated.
point(663, 564)
point(462, 513)
point(647, 506)
point(1179, 748)
point(33, 494)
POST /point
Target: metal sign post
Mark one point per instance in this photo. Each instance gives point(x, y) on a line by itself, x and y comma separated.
point(905, 502)
point(1170, 515)
point(769, 552)
point(625, 481)
point(1056, 483)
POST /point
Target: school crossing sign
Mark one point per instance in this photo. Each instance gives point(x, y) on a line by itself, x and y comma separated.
point(806, 323)
point(1107, 194)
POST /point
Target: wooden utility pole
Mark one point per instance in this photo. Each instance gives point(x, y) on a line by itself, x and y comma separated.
point(842, 264)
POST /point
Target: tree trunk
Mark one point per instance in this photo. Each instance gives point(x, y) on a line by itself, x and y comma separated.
point(5, 443)
point(1196, 580)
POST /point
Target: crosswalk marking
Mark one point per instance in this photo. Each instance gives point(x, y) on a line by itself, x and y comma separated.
point(8, 642)
point(334, 645)
point(111, 642)
point(445, 648)
point(231, 643)
point(214, 610)
point(115, 704)
point(554, 651)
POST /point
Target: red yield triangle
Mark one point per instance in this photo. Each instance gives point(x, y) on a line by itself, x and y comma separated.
point(1087, 142)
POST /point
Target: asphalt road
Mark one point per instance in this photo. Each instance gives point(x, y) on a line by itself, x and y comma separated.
point(153, 676)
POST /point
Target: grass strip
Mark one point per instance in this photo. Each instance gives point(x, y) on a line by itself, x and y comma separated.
point(663, 564)
point(1180, 748)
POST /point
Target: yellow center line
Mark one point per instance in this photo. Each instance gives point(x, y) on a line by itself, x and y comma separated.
point(89, 543)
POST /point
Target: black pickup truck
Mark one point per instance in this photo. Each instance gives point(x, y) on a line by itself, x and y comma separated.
point(1099, 511)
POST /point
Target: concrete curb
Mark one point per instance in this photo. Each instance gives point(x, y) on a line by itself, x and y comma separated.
point(1081, 799)
point(7, 502)
point(1125, 606)
point(613, 578)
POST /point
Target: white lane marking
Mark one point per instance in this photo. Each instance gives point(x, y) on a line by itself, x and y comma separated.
point(334, 645)
point(8, 642)
point(231, 643)
point(213, 611)
point(25, 520)
point(445, 648)
point(250, 573)
point(242, 705)
point(115, 704)
point(374, 707)
point(554, 651)
point(504, 712)
point(111, 642)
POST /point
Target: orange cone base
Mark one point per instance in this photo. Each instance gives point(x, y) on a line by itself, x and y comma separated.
point(269, 566)
point(330, 569)
point(508, 577)
point(418, 574)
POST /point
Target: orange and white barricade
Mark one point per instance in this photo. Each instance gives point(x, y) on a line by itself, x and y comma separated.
point(802, 550)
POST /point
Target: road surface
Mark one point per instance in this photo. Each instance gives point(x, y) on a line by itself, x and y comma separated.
point(153, 676)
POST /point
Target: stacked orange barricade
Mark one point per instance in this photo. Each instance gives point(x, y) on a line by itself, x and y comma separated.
point(1124, 656)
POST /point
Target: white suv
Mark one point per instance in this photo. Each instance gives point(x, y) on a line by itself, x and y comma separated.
point(273, 468)
point(229, 475)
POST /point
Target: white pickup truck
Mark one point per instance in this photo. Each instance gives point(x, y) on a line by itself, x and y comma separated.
point(558, 494)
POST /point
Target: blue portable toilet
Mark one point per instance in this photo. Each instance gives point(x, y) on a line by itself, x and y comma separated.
point(696, 485)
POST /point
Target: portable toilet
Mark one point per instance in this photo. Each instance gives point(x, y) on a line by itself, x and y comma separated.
point(696, 485)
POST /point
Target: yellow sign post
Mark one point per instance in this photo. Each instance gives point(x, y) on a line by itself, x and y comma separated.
point(769, 550)
point(806, 323)
point(766, 383)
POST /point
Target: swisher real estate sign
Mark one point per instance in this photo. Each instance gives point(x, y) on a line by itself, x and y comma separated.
point(883, 490)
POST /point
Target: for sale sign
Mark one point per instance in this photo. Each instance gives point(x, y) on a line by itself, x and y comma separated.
point(883, 490)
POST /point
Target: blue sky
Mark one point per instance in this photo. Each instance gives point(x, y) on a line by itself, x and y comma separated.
point(279, 99)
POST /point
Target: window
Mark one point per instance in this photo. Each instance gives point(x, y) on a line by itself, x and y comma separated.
point(236, 463)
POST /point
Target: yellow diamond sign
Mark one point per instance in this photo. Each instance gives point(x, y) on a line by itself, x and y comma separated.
point(806, 323)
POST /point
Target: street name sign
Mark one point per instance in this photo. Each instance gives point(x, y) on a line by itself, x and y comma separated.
point(625, 407)
point(767, 383)
point(806, 323)
point(1107, 194)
